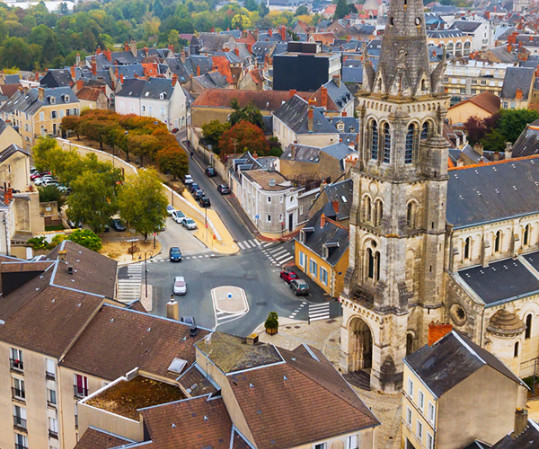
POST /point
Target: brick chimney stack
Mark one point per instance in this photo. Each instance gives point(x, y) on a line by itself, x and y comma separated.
point(518, 95)
point(122, 78)
point(324, 97)
point(174, 79)
point(126, 46)
point(198, 70)
point(310, 116)
point(133, 47)
point(337, 80)
point(292, 92)
point(108, 55)
point(73, 73)
point(322, 221)
point(283, 33)
point(98, 51)
point(94, 66)
point(40, 93)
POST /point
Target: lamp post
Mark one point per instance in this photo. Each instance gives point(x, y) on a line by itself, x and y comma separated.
point(145, 268)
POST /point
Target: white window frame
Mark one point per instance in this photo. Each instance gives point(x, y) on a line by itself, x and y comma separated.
point(408, 416)
point(419, 429)
point(302, 259)
point(430, 441)
point(431, 412)
point(410, 388)
point(352, 442)
point(421, 400)
point(313, 264)
point(51, 396)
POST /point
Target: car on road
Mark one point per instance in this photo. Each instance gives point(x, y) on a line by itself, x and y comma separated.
point(189, 223)
point(175, 254)
point(192, 187)
point(37, 175)
point(180, 287)
point(187, 179)
point(210, 172)
point(178, 216)
point(288, 275)
point(43, 179)
point(63, 188)
point(117, 225)
point(299, 287)
point(170, 209)
point(198, 193)
point(223, 189)
point(204, 201)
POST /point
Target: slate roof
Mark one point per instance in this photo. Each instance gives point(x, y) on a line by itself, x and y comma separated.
point(527, 143)
point(341, 191)
point(294, 114)
point(526, 440)
point(132, 87)
point(492, 192)
point(57, 78)
point(352, 71)
point(301, 153)
point(340, 95)
point(177, 67)
point(466, 26)
point(98, 439)
point(451, 360)
point(502, 281)
point(316, 236)
point(533, 260)
point(517, 78)
point(212, 80)
point(29, 103)
point(10, 151)
point(154, 87)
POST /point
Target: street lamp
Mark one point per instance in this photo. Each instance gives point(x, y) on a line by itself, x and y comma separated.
point(145, 268)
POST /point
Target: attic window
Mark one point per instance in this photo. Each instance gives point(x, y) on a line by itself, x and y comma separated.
point(162, 95)
point(52, 100)
point(66, 98)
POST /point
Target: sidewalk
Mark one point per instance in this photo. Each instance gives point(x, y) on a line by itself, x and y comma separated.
point(325, 336)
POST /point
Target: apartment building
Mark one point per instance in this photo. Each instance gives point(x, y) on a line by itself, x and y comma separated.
point(39, 111)
point(475, 77)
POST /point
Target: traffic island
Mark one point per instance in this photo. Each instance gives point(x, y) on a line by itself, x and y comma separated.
point(229, 303)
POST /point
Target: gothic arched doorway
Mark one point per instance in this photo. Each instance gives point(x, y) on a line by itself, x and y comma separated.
point(361, 345)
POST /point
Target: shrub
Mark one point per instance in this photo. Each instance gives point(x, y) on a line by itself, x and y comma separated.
point(86, 238)
point(272, 321)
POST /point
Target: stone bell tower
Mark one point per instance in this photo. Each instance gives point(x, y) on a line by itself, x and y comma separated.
point(394, 283)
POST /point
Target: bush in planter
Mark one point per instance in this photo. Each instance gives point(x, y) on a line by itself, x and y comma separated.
point(272, 322)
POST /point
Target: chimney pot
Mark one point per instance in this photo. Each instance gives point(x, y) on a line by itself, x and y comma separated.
point(292, 92)
point(322, 221)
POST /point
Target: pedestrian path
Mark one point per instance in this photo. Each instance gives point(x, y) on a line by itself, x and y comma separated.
point(297, 309)
point(278, 255)
point(319, 311)
point(129, 282)
point(253, 243)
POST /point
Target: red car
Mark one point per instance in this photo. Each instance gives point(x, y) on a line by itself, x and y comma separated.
point(39, 175)
point(287, 275)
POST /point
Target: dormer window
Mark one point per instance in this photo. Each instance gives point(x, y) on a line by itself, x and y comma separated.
point(340, 126)
point(66, 98)
point(162, 95)
point(52, 100)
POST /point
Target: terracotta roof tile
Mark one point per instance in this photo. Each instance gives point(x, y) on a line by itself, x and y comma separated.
point(485, 100)
point(97, 439)
point(265, 100)
point(223, 66)
point(190, 424)
point(88, 93)
point(133, 339)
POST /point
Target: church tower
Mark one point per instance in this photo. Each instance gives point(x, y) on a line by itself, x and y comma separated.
point(394, 283)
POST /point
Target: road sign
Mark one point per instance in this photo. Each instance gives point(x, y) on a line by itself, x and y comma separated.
point(257, 216)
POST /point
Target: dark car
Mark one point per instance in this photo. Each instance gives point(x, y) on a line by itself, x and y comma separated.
point(299, 287)
point(204, 201)
point(210, 172)
point(175, 254)
point(192, 187)
point(223, 189)
point(117, 225)
point(198, 193)
point(287, 275)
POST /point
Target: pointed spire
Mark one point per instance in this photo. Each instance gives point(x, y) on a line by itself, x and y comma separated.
point(403, 70)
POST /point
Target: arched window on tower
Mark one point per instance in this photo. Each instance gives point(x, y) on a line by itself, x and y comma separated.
point(411, 215)
point(409, 146)
point(378, 212)
point(515, 354)
point(367, 208)
point(467, 248)
point(372, 262)
point(498, 241)
point(425, 131)
point(387, 143)
point(528, 332)
point(374, 140)
point(526, 235)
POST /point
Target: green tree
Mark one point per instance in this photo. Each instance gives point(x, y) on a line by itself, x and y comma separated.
point(513, 121)
point(142, 202)
point(93, 200)
point(301, 10)
point(341, 10)
point(173, 161)
point(251, 5)
point(213, 131)
point(493, 141)
point(248, 113)
point(86, 238)
point(51, 193)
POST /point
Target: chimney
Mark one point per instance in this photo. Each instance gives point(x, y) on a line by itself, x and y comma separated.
point(198, 70)
point(344, 114)
point(337, 80)
point(37, 77)
point(94, 66)
point(174, 79)
point(310, 116)
point(40, 93)
point(133, 47)
point(62, 255)
point(73, 73)
point(237, 51)
point(77, 60)
point(98, 51)
point(322, 221)
point(437, 331)
point(335, 205)
point(509, 149)
point(126, 46)
point(509, 48)
point(270, 32)
point(173, 310)
point(518, 95)
point(521, 422)
point(292, 92)
point(8, 196)
point(478, 148)
point(171, 48)
point(116, 73)
point(122, 78)
point(283, 33)
point(108, 55)
point(146, 52)
point(324, 97)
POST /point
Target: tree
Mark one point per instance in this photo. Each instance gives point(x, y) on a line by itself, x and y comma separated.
point(86, 238)
point(241, 137)
point(142, 202)
point(251, 5)
point(93, 200)
point(173, 161)
point(213, 131)
point(71, 123)
point(494, 141)
point(341, 10)
point(275, 147)
point(475, 129)
point(51, 193)
point(513, 121)
point(249, 113)
point(301, 11)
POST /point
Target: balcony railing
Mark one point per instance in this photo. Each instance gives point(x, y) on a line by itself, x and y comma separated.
point(50, 376)
point(51, 404)
point(53, 434)
point(18, 394)
point(79, 392)
point(19, 423)
point(16, 365)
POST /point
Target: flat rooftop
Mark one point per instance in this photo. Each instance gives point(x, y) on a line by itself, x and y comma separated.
point(126, 397)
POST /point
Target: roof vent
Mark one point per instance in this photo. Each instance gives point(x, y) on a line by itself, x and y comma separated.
point(149, 329)
point(70, 270)
point(205, 418)
point(53, 300)
point(272, 182)
point(285, 378)
point(173, 425)
point(251, 386)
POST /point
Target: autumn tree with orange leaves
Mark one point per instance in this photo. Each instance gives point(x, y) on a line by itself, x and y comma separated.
point(241, 137)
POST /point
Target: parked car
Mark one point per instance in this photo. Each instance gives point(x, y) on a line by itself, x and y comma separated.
point(170, 209)
point(210, 172)
point(40, 174)
point(74, 224)
point(175, 254)
point(204, 201)
point(180, 287)
point(299, 287)
point(198, 193)
point(160, 228)
point(223, 189)
point(178, 216)
point(63, 188)
point(50, 182)
point(187, 179)
point(288, 275)
point(174, 130)
point(117, 225)
point(189, 223)
point(192, 187)
point(43, 179)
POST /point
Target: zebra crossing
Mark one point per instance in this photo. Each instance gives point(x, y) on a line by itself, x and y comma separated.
point(278, 255)
point(129, 285)
point(253, 243)
point(319, 311)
